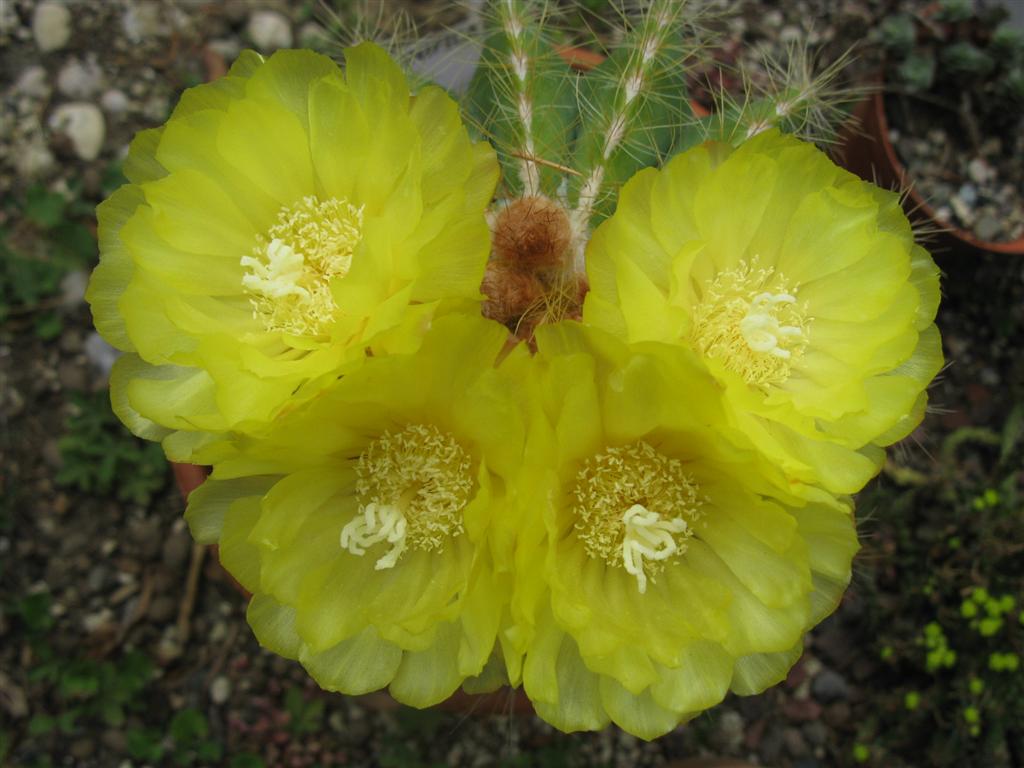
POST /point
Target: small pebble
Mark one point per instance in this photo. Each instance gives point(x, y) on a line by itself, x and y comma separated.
point(12, 697)
point(93, 622)
point(80, 81)
point(962, 210)
point(32, 82)
point(815, 732)
point(269, 30)
point(227, 48)
point(147, 537)
point(162, 609)
point(795, 743)
point(176, 549)
point(51, 25)
point(83, 124)
point(729, 735)
point(790, 34)
point(114, 101)
point(141, 20)
point(968, 193)
point(100, 353)
point(72, 376)
point(33, 160)
point(72, 288)
point(220, 690)
point(979, 171)
point(986, 228)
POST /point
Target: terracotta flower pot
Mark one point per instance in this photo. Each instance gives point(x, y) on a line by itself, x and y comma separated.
point(868, 152)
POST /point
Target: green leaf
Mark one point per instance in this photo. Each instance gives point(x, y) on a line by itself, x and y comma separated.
point(44, 208)
point(40, 725)
point(48, 326)
point(188, 727)
point(144, 744)
point(75, 244)
point(79, 681)
point(209, 751)
point(113, 715)
point(66, 721)
point(34, 611)
point(246, 760)
point(1013, 432)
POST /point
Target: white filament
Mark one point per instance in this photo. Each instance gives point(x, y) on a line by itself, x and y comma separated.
point(647, 536)
point(373, 524)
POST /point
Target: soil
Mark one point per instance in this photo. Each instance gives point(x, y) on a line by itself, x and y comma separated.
point(979, 186)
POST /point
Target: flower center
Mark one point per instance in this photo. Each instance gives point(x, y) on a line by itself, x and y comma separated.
point(288, 276)
point(412, 486)
point(751, 321)
point(635, 508)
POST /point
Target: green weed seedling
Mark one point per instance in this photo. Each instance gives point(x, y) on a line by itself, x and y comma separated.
point(306, 715)
point(101, 457)
point(957, 639)
point(48, 239)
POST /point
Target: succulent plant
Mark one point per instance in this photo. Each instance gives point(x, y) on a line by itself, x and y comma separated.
point(960, 54)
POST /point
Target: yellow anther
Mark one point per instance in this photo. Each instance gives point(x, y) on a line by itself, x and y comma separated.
point(634, 509)
point(412, 486)
point(755, 331)
point(288, 276)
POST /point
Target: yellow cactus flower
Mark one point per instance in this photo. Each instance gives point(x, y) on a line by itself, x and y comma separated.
point(675, 568)
point(372, 524)
point(284, 220)
point(798, 285)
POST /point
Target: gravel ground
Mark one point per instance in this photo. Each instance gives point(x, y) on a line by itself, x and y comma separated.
point(78, 79)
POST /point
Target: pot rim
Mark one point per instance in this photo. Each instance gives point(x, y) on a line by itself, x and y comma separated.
point(1012, 247)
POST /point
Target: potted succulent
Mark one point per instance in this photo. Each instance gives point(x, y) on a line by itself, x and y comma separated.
point(947, 125)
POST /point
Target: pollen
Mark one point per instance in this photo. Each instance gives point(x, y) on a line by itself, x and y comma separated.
point(635, 509)
point(288, 275)
point(750, 320)
point(411, 486)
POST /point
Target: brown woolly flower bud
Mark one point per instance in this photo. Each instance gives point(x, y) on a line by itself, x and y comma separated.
point(509, 293)
point(532, 234)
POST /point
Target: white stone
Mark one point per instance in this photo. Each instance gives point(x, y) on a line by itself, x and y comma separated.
point(141, 20)
point(220, 690)
point(114, 101)
point(51, 25)
point(312, 35)
point(33, 160)
point(79, 80)
point(227, 48)
point(9, 21)
point(100, 353)
point(72, 288)
point(269, 30)
point(93, 622)
point(32, 82)
point(979, 171)
point(83, 124)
